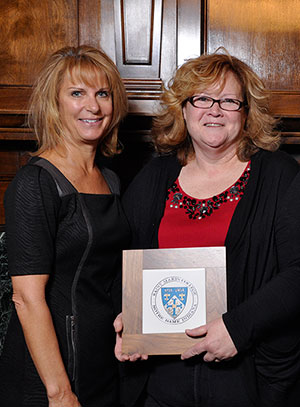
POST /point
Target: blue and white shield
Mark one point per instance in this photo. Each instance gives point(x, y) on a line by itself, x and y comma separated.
point(174, 300)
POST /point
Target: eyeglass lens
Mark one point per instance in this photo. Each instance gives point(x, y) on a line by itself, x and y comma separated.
point(207, 102)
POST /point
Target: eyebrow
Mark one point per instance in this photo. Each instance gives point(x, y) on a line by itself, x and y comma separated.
point(80, 88)
point(226, 96)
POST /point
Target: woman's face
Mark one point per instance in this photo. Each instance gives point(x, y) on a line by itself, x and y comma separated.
point(214, 129)
point(85, 111)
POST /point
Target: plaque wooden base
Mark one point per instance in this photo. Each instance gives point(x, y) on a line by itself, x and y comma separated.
point(212, 259)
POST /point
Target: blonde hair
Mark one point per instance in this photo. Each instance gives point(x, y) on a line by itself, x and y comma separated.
point(85, 63)
point(169, 130)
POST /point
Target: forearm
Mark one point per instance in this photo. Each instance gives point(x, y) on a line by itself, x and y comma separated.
point(271, 308)
point(43, 346)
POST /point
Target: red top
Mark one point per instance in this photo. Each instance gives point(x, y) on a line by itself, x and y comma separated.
point(191, 222)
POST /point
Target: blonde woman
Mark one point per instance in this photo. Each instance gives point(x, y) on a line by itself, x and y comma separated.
point(65, 230)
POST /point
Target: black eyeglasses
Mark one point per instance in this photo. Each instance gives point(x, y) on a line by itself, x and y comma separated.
point(205, 102)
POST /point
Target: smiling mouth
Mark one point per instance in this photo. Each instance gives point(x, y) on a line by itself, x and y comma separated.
point(213, 125)
point(91, 120)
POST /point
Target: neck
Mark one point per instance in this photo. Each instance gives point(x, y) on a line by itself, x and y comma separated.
point(211, 160)
point(72, 157)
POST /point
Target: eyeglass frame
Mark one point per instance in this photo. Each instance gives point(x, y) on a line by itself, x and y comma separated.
point(191, 100)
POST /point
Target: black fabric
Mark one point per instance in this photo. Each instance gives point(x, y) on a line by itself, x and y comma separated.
point(194, 383)
point(263, 269)
point(77, 239)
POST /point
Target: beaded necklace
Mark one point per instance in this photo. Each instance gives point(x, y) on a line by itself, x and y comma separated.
point(201, 208)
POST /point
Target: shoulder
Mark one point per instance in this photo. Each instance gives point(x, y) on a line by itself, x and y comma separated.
point(151, 183)
point(31, 181)
point(32, 205)
point(278, 161)
point(154, 175)
point(273, 172)
point(158, 168)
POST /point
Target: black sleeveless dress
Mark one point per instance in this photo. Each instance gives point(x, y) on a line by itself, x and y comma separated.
point(77, 239)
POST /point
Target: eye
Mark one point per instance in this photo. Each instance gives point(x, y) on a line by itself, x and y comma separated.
point(202, 98)
point(231, 101)
point(76, 93)
point(103, 93)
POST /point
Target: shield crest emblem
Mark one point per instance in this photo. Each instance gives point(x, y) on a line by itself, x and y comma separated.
point(174, 300)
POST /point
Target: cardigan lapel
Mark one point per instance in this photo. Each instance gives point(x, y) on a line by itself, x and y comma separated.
point(244, 207)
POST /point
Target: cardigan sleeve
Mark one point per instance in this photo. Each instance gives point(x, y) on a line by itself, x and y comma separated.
point(268, 322)
point(267, 252)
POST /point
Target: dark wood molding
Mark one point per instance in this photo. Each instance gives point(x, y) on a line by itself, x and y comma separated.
point(14, 99)
point(285, 103)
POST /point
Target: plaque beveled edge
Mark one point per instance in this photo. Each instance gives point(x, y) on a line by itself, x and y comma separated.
point(134, 263)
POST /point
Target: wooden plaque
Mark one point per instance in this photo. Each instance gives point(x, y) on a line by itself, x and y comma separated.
point(212, 259)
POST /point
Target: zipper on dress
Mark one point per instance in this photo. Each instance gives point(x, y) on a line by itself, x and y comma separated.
point(70, 326)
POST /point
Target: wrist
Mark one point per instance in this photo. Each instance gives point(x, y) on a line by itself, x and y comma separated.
point(57, 391)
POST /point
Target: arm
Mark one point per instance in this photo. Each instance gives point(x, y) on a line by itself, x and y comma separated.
point(31, 213)
point(41, 340)
point(271, 310)
point(270, 302)
point(275, 306)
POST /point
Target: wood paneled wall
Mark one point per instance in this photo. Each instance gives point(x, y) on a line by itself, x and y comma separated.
point(147, 39)
point(266, 35)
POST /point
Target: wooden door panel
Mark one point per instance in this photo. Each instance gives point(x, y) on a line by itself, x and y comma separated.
point(266, 35)
point(189, 30)
point(29, 31)
point(138, 34)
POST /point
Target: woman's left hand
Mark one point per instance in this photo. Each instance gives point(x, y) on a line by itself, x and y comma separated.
point(122, 357)
point(216, 342)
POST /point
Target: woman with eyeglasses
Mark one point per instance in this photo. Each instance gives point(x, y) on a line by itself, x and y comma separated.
point(219, 180)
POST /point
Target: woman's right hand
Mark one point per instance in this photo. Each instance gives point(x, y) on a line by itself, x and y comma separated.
point(123, 357)
point(67, 399)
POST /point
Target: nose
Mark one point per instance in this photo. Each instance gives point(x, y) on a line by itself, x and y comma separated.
point(92, 105)
point(215, 109)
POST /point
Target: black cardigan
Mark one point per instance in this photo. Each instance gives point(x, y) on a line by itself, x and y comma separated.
point(263, 259)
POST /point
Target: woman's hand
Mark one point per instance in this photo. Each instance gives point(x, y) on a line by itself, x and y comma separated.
point(216, 342)
point(122, 357)
point(67, 399)
point(118, 325)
